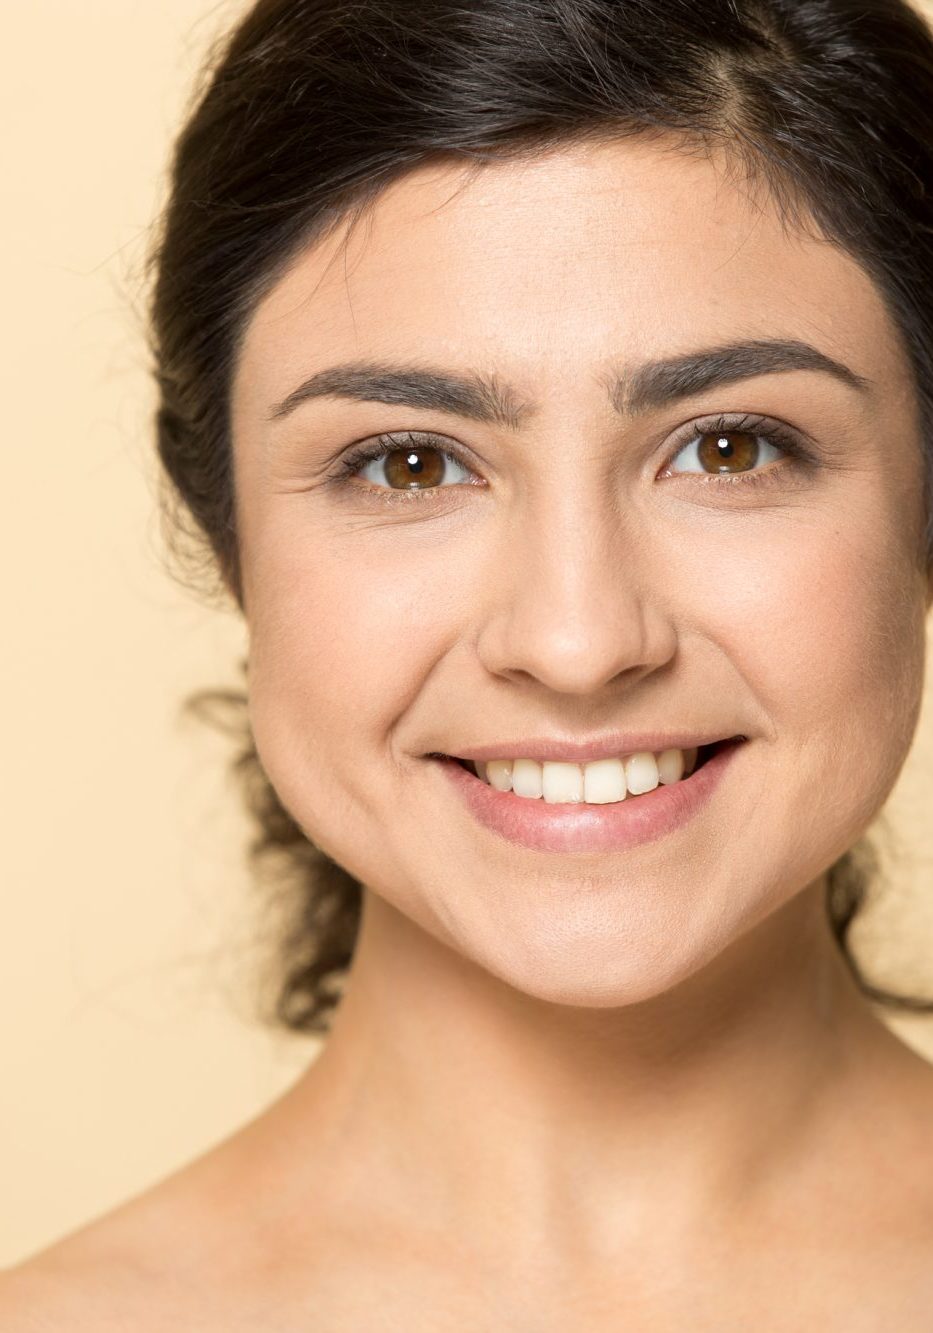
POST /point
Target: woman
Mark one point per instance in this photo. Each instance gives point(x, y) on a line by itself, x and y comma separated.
point(551, 382)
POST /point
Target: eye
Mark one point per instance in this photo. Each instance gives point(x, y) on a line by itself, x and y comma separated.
point(405, 463)
point(406, 466)
point(728, 451)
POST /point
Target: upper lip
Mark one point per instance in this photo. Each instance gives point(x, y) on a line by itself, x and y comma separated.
point(607, 746)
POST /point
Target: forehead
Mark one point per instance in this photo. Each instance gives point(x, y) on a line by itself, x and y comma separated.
point(561, 263)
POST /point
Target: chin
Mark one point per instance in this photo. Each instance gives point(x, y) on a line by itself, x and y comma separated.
point(597, 973)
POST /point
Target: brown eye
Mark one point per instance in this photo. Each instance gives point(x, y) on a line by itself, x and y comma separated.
point(414, 469)
point(728, 451)
point(389, 466)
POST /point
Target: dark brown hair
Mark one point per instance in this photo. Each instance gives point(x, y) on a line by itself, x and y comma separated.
point(311, 107)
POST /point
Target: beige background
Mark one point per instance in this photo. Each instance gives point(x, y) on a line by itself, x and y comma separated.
point(127, 1044)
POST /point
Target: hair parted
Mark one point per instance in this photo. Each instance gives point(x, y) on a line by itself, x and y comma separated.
point(310, 108)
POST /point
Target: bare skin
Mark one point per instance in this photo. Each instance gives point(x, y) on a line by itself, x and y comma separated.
point(610, 1091)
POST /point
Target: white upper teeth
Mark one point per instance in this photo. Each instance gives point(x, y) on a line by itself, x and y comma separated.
point(597, 783)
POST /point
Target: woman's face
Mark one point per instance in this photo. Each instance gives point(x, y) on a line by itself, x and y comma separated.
point(573, 562)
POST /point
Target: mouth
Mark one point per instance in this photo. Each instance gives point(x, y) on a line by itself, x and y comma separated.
point(704, 754)
point(608, 824)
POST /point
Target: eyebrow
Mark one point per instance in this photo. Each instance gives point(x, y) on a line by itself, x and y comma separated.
point(485, 398)
point(480, 397)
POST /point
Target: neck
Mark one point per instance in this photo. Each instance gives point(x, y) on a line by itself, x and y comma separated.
point(468, 1103)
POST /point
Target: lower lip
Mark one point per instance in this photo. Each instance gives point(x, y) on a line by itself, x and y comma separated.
point(566, 827)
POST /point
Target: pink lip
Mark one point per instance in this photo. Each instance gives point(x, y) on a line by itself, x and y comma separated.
point(562, 827)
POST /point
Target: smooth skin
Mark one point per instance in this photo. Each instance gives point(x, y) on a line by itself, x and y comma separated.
point(605, 1091)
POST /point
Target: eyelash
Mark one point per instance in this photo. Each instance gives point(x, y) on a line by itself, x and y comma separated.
point(772, 432)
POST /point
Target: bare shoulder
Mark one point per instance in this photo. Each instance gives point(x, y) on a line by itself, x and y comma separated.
point(92, 1281)
point(110, 1279)
point(105, 1276)
point(198, 1250)
point(48, 1294)
point(156, 1261)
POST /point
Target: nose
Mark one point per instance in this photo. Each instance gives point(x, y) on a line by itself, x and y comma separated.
point(580, 600)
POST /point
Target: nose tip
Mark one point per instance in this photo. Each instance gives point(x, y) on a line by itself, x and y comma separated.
point(577, 643)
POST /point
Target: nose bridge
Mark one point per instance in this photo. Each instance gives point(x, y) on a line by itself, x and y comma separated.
point(576, 603)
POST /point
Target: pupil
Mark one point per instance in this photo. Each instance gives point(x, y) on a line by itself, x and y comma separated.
point(730, 451)
point(415, 463)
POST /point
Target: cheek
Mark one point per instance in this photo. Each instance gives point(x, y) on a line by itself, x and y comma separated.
point(340, 646)
point(828, 631)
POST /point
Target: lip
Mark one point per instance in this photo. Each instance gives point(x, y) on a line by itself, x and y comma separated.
point(610, 745)
point(565, 827)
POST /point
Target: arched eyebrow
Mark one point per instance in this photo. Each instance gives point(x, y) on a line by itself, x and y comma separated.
point(471, 394)
point(487, 399)
point(657, 383)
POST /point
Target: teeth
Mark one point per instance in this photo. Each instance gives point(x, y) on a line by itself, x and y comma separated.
point(671, 765)
point(562, 782)
point(598, 783)
point(641, 772)
point(527, 777)
point(603, 782)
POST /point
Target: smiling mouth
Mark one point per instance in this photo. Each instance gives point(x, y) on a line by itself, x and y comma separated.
point(704, 754)
point(604, 782)
point(604, 806)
